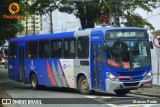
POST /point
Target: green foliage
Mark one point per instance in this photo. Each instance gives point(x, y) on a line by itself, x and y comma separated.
point(136, 20)
point(9, 27)
point(90, 12)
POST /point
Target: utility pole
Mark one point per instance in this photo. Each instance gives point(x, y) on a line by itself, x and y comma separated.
point(26, 26)
point(110, 11)
point(117, 12)
point(51, 24)
point(85, 12)
point(158, 73)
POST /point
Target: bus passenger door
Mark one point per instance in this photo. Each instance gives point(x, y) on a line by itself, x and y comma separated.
point(96, 65)
point(21, 64)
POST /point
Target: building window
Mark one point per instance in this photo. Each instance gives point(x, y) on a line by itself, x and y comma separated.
point(13, 50)
point(56, 48)
point(32, 48)
point(32, 26)
point(33, 22)
point(44, 49)
point(83, 50)
point(69, 48)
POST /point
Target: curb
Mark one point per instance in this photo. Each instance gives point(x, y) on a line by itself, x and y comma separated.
point(146, 94)
point(149, 94)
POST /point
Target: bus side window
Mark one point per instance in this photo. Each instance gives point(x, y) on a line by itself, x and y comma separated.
point(32, 48)
point(69, 48)
point(13, 50)
point(83, 47)
point(56, 48)
point(44, 49)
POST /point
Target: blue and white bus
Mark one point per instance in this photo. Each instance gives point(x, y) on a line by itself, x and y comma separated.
point(111, 59)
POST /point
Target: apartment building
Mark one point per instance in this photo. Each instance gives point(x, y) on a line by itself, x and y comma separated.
point(33, 24)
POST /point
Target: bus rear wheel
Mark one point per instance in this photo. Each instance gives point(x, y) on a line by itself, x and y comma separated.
point(83, 85)
point(34, 82)
point(121, 92)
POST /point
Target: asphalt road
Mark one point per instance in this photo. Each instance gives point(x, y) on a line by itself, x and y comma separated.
point(63, 96)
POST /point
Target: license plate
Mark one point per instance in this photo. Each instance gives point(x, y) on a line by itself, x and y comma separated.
point(148, 84)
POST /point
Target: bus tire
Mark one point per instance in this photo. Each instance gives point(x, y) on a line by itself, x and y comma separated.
point(121, 92)
point(83, 85)
point(34, 82)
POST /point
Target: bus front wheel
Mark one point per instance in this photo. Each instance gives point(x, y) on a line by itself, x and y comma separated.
point(34, 82)
point(121, 92)
point(83, 85)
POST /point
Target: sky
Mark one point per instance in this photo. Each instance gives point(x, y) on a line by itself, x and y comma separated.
point(68, 22)
point(153, 17)
point(61, 22)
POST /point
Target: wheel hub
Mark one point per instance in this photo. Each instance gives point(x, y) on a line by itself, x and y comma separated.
point(84, 85)
point(33, 81)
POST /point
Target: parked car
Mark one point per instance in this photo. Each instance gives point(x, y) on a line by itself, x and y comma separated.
point(6, 64)
point(4, 55)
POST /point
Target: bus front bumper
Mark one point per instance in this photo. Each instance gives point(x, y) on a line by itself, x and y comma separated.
point(118, 85)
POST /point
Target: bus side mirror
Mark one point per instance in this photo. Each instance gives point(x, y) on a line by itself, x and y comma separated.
point(151, 44)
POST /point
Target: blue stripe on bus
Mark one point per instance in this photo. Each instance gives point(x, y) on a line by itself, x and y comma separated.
point(55, 67)
point(63, 73)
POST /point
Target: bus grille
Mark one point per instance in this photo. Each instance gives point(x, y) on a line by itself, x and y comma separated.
point(131, 84)
point(130, 73)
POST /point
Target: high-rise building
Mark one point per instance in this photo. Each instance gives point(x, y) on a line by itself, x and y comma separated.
point(33, 24)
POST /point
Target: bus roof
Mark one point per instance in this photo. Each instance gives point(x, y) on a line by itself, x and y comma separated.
point(43, 36)
point(68, 34)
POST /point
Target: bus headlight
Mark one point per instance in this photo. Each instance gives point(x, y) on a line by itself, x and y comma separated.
point(111, 76)
point(148, 76)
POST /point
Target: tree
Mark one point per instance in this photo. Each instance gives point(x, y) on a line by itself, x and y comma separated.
point(9, 27)
point(90, 12)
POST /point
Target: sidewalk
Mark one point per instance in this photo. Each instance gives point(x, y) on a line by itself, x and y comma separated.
point(153, 92)
point(3, 94)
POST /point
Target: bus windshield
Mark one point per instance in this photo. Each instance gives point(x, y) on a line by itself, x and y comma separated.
point(128, 53)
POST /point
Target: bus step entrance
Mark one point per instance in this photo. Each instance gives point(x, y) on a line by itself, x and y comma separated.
point(22, 83)
point(96, 89)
